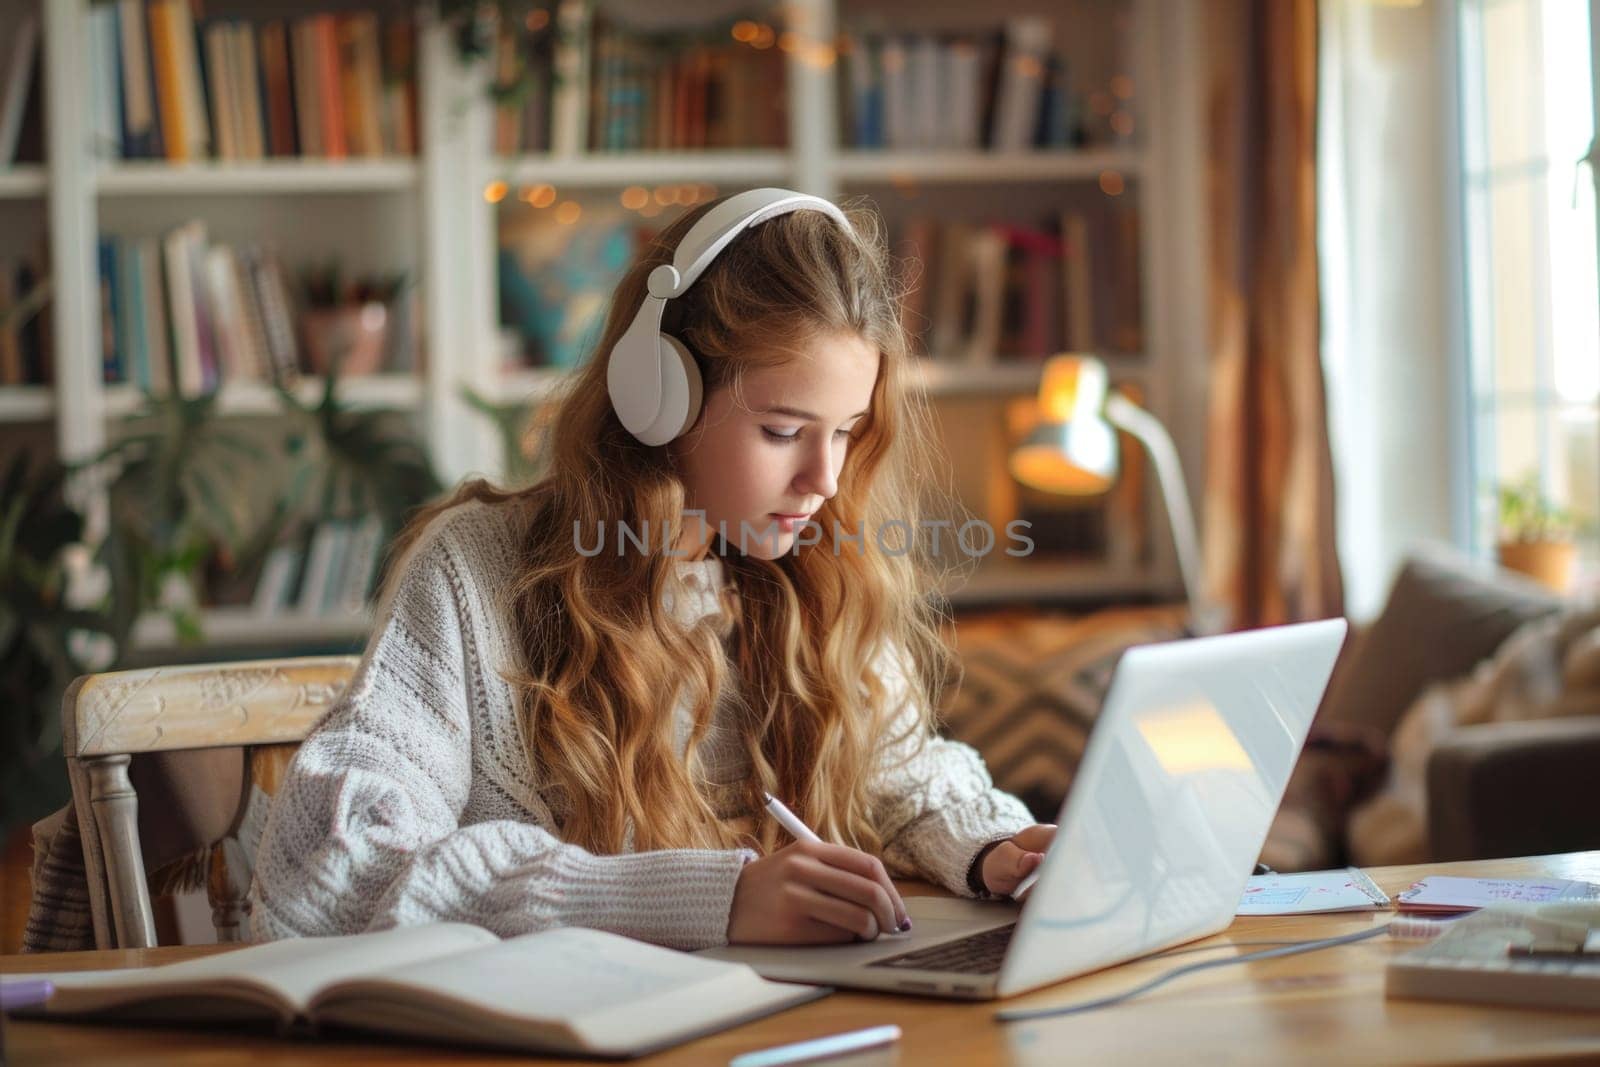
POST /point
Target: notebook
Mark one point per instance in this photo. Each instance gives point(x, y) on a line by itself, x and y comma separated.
point(566, 991)
point(1447, 894)
point(1311, 892)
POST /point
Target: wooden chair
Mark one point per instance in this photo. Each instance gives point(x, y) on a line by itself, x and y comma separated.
point(185, 737)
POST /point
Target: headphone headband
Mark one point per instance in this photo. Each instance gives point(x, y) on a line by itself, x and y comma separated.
point(653, 381)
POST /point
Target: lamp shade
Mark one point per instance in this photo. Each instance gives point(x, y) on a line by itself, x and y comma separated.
point(1073, 451)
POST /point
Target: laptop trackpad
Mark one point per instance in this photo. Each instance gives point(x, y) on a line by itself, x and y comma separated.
point(933, 919)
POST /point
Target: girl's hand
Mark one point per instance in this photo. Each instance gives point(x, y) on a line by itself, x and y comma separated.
point(811, 893)
point(1009, 862)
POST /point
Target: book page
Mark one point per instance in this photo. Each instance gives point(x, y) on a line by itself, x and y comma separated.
point(1451, 893)
point(535, 990)
point(282, 973)
point(1308, 892)
point(553, 974)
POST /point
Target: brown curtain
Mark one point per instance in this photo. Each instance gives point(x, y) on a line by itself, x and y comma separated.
point(1268, 513)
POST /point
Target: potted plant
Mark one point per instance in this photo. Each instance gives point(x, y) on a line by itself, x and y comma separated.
point(350, 463)
point(521, 427)
point(176, 500)
point(62, 613)
point(350, 322)
point(1535, 535)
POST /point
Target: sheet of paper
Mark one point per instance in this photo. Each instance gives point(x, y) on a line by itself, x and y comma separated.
point(1310, 892)
point(1439, 892)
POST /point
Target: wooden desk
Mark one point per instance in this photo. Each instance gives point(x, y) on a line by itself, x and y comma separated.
point(1321, 1007)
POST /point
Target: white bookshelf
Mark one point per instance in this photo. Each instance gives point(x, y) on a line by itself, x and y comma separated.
point(26, 403)
point(268, 178)
point(438, 202)
point(388, 392)
point(241, 626)
point(23, 182)
point(648, 168)
point(986, 167)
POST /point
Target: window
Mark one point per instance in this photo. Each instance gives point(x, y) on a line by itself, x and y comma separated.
point(1533, 299)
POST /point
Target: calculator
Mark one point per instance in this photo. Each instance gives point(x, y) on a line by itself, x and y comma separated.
point(1505, 956)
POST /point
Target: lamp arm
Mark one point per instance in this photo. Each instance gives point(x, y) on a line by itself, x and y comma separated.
point(1126, 415)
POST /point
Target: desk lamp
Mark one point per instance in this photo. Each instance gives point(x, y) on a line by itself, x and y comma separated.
point(1073, 451)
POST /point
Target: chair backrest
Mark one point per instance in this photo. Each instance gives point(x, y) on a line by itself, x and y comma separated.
point(189, 734)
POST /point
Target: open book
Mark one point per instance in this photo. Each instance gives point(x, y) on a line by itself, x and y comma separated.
point(565, 990)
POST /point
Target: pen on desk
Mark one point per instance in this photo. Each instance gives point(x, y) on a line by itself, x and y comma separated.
point(24, 993)
point(789, 820)
point(818, 1048)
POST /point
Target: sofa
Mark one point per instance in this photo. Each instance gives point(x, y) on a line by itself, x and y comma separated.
point(1030, 684)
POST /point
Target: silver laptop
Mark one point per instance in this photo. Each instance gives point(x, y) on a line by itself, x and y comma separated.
point(1179, 783)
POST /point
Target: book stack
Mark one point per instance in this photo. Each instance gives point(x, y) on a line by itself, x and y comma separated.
point(181, 314)
point(19, 78)
point(988, 292)
point(524, 80)
point(170, 86)
point(592, 83)
point(24, 346)
point(649, 92)
point(329, 571)
point(1007, 91)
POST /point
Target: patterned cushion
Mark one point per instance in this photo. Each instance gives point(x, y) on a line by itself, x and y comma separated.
point(1033, 685)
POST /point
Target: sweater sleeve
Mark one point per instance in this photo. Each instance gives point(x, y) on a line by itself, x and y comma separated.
point(365, 832)
point(935, 805)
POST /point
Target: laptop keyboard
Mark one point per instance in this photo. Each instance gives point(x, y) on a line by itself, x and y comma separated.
point(978, 953)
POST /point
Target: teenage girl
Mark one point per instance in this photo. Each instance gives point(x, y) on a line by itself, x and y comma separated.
point(577, 696)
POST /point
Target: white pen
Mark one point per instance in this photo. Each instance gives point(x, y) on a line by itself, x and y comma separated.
point(801, 832)
point(817, 1048)
point(789, 820)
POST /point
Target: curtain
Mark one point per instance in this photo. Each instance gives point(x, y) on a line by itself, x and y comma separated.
point(1269, 511)
point(1391, 247)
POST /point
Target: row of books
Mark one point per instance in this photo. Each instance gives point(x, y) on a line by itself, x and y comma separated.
point(19, 88)
point(592, 84)
point(24, 347)
point(180, 314)
point(170, 86)
point(989, 292)
point(329, 570)
point(1009, 91)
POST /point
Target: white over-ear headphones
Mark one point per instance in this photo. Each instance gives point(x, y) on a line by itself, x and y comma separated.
point(653, 380)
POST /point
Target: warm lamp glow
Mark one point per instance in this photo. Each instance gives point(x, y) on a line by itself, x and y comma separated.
point(1072, 387)
point(1073, 451)
point(1044, 467)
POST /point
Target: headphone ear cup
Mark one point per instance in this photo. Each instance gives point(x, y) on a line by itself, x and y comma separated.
point(681, 391)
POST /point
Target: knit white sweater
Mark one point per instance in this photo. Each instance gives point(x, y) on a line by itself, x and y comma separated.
point(413, 800)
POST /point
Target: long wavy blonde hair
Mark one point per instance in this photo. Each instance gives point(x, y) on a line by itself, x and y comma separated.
point(809, 633)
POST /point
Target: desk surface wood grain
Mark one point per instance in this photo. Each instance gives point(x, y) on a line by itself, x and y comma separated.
point(1321, 1007)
